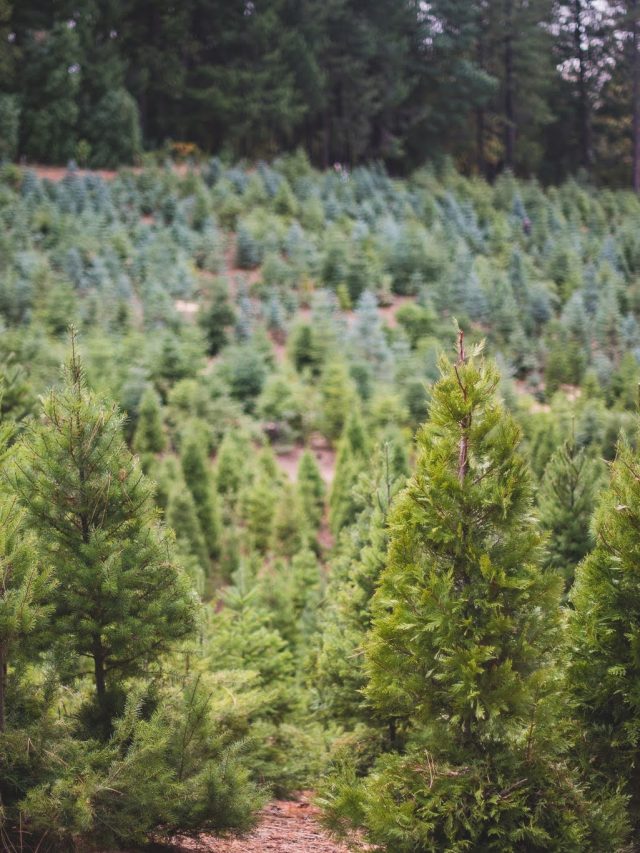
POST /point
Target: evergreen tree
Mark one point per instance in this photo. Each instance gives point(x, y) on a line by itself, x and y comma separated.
point(198, 478)
point(567, 500)
point(24, 583)
point(336, 392)
point(119, 601)
point(604, 669)
point(182, 517)
point(338, 671)
point(258, 507)
point(311, 488)
point(290, 526)
point(149, 437)
point(463, 649)
point(231, 462)
point(50, 79)
point(351, 459)
point(24, 586)
point(217, 319)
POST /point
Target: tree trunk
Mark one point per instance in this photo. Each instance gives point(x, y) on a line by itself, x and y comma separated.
point(509, 109)
point(100, 678)
point(584, 106)
point(635, 71)
point(480, 158)
point(3, 683)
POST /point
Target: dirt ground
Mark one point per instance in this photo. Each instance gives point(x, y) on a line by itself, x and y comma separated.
point(284, 827)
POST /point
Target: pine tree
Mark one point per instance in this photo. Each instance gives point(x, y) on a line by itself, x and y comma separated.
point(567, 500)
point(119, 601)
point(463, 648)
point(198, 478)
point(604, 669)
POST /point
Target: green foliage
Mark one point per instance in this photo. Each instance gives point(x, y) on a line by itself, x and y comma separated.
point(25, 584)
point(182, 517)
point(9, 122)
point(351, 460)
point(463, 649)
point(337, 395)
point(149, 437)
point(567, 500)
point(120, 600)
point(311, 488)
point(173, 764)
point(115, 130)
point(360, 558)
point(217, 319)
point(604, 669)
point(198, 477)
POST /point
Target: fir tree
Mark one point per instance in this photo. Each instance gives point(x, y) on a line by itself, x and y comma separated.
point(463, 647)
point(311, 488)
point(182, 517)
point(218, 318)
point(290, 531)
point(567, 500)
point(198, 478)
point(258, 507)
point(338, 671)
point(351, 459)
point(336, 391)
point(149, 437)
point(119, 601)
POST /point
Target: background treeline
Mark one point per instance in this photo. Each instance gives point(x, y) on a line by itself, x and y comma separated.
point(226, 568)
point(540, 87)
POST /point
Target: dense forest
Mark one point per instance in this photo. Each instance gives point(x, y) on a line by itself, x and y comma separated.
point(319, 425)
point(540, 87)
point(227, 569)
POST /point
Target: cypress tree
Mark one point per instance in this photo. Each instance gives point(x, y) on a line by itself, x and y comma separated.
point(463, 647)
point(120, 601)
point(566, 501)
point(605, 666)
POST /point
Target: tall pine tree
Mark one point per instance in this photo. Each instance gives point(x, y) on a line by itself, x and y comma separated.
point(120, 601)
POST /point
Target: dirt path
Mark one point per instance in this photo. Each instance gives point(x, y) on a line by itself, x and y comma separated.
point(284, 827)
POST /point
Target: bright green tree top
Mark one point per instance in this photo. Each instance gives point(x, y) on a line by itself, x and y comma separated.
point(464, 617)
